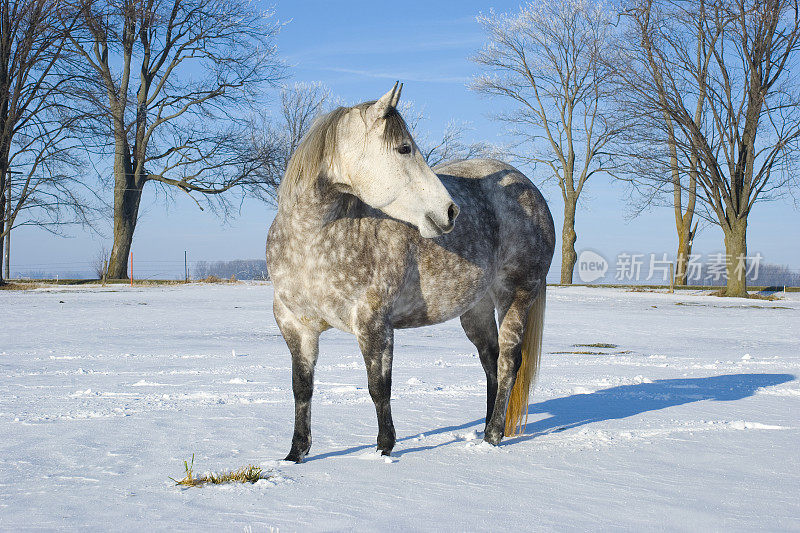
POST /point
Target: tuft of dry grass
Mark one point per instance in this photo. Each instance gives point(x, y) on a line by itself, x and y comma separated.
point(246, 474)
point(601, 345)
point(752, 295)
point(216, 279)
point(766, 296)
point(578, 352)
point(640, 289)
point(596, 345)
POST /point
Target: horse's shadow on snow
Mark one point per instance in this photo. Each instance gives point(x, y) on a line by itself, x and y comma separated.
point(607, 404)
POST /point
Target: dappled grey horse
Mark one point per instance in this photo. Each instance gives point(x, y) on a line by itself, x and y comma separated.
point(366, 240)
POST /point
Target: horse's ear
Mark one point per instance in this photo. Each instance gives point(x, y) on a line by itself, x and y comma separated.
point(386, 103)
point(396, 98)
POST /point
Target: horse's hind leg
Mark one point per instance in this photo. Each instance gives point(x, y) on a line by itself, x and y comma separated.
point(376, 340)
point(513, 313)
point(481, 329)
point(303, 343)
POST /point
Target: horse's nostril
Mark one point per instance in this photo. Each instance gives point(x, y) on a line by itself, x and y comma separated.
point(438, 221)
point(452, 213)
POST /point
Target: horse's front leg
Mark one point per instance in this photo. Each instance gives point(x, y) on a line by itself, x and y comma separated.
point(303, 343)
point(376, 340)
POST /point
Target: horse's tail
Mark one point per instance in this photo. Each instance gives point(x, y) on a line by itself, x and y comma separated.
point(517, 410)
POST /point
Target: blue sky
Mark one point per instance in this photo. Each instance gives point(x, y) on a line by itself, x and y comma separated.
point(358, 49)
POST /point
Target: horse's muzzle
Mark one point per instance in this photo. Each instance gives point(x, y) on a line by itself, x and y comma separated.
point(444, 226)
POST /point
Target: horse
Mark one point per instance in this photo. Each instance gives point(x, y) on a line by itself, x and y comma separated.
point(365, 240)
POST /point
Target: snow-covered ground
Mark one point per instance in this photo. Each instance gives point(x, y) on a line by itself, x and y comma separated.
point(691, 422)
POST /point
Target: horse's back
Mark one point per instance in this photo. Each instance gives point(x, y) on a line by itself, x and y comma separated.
point(480, 168)
point(526, 234)
point(507, 189)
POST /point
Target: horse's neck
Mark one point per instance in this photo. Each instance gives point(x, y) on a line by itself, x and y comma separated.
point(316, 207)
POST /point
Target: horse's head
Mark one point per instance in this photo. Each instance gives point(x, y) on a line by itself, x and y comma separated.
point(377, 160)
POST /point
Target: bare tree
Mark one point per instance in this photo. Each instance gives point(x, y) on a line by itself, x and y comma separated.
point(660, 166)
point(547, 60)
point(731, 60)
point(170, 84)
point(37, 169)
point(661, 174)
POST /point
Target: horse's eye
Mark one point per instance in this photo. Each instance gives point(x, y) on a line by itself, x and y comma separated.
point(404, 149)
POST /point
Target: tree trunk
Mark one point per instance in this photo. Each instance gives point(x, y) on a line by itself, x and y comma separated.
point(568, 238)
point(7, 245)
point(3, 216)
point(2, 228)
point(683, 220)
point(127, 195)
point(126, 212)
point(685, 237)
point(682, 259)
point(736, 252)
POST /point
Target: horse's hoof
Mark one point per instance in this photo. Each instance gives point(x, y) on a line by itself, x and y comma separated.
point(386, 452)
point(494, 440)
point(296, 456)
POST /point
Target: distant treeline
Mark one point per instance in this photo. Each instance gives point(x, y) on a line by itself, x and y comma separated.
point(705, 273)
point(238, 268)
point(768, 275)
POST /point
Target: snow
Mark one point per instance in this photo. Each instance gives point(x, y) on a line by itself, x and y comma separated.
point(691, 421)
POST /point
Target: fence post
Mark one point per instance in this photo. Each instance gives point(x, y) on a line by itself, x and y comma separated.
point(131, 268)
point(185, 268)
